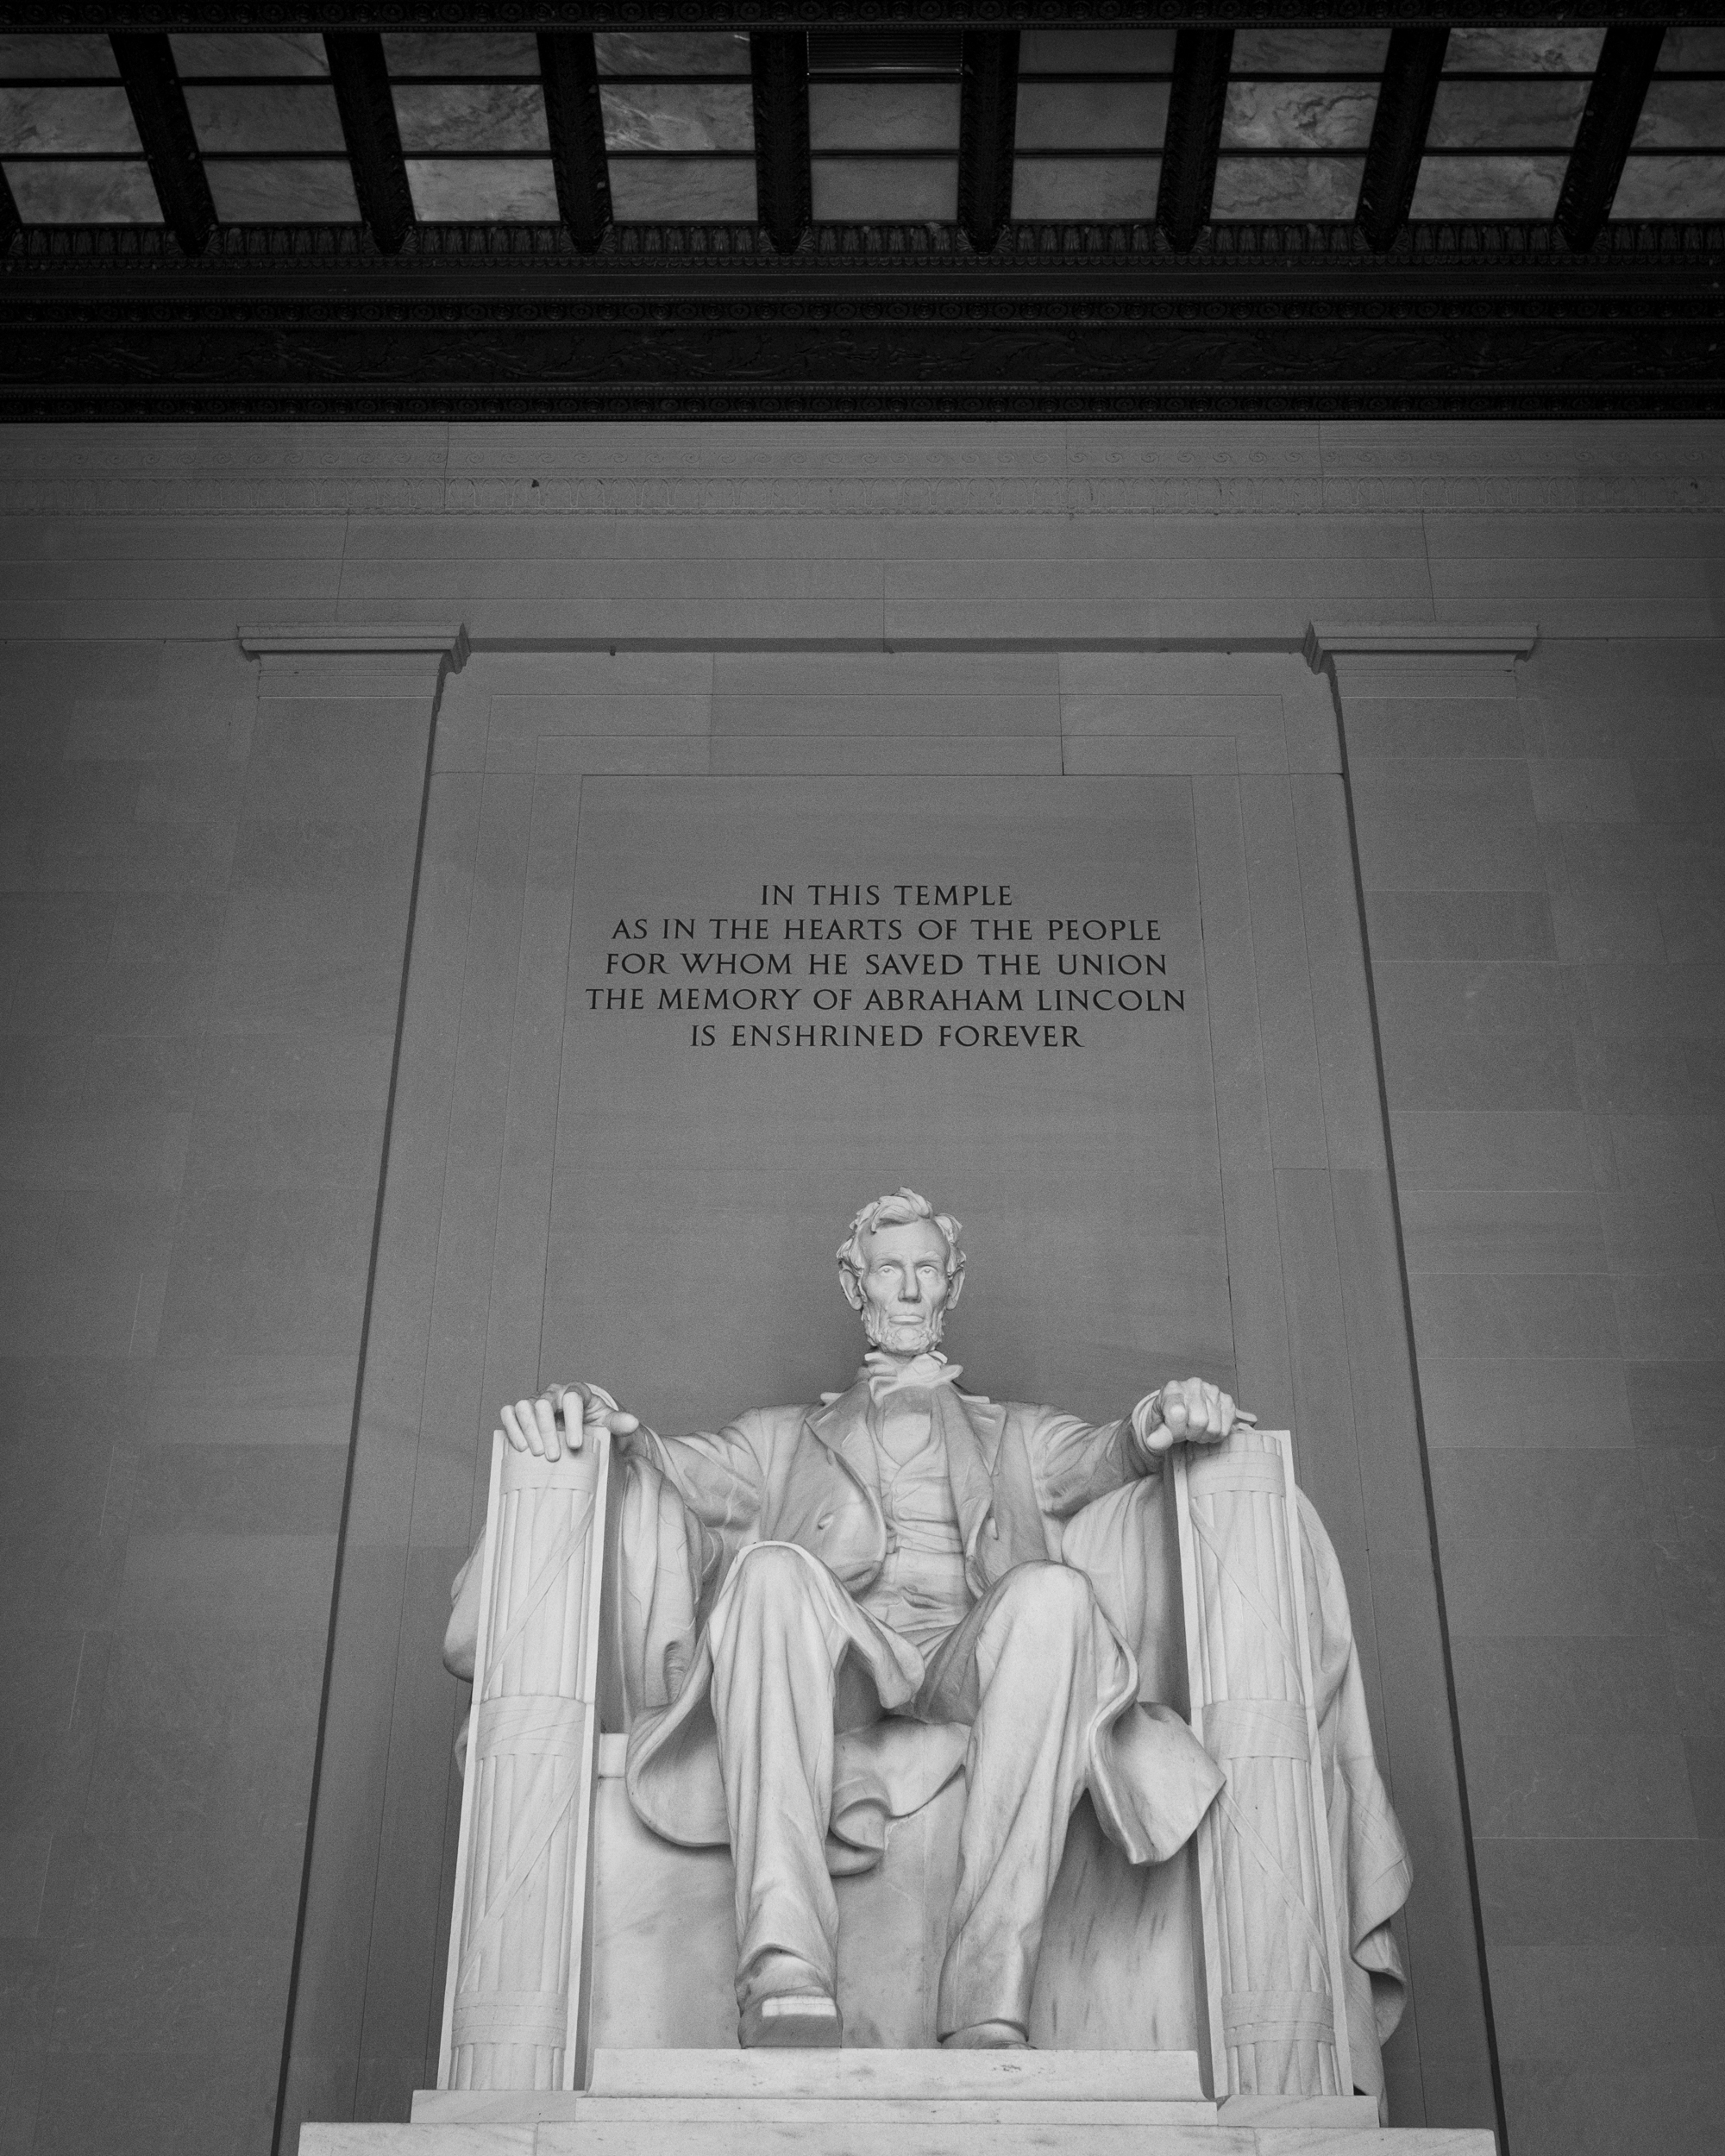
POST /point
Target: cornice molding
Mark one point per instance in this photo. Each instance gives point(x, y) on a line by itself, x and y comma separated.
point(357, 639)
point(1380, 640)
point(676, 251)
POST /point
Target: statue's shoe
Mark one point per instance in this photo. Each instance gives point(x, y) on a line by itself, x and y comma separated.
point(803, 2020)
point(988, 2036)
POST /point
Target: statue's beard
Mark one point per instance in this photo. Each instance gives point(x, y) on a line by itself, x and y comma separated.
point(902, 1337)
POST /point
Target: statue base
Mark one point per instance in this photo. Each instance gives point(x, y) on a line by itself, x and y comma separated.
point(866, 2102)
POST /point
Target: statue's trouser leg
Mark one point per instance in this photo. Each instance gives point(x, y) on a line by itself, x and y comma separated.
point(782, 1639)
point(1043, 1651)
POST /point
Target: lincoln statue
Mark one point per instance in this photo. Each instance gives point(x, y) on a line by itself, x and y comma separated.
point(834, 1609)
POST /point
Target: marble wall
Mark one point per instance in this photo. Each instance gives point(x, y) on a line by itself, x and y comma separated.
point(208, 866)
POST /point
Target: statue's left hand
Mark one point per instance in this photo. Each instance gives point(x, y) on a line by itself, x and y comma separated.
point(531, 1426)
point(1189, 1411)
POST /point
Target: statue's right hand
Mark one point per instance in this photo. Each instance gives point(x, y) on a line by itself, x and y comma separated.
point(543, 1426)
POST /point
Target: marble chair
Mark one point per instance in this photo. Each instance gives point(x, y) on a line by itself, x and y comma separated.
point(1257, 1965)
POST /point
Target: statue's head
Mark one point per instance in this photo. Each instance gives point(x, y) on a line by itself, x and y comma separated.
point(901, 1266)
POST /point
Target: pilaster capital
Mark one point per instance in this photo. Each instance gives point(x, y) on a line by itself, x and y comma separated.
point(1392, 640)
point(368, 640)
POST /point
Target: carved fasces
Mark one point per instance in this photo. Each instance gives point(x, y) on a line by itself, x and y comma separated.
point(1271, 1949)
point(515, 2009)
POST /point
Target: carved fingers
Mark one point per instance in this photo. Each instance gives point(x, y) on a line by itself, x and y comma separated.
point(1193, 1412)
point(559, 1417)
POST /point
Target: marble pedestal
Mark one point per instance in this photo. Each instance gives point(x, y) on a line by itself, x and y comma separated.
point(869, 2102)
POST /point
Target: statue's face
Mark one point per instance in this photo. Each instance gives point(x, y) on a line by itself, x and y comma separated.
point(905, 1290)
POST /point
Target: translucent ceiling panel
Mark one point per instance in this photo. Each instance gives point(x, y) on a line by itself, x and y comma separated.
point(1096, 53)
point(672, 52)
point(860, 134)
point(1092, 116)
point(282, 191)
point(1093, 109)
point(448, 118)
point(679, 115)
point(882, 116)
point(36, 121)
point(1086, 189)
point(117, 192)
point(483, 191)
point(1309, 52)
point(1676, 167)
point(246, 53)
point(420, 53)
point(35, 59)
point(255, 116)
point(885, 189)
point(1504, 121)
point(683, 190)
point(1690, 52)
point(1298, 188)
point(1298, 115)
point(1670, 187)
point(1502, 52)
point(1681, 116)
point(1529, 114)
point(1513, 187)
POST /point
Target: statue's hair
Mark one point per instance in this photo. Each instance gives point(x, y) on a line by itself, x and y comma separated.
point(899, 1209)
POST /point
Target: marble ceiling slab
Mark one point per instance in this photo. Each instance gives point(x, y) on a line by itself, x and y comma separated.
point(1299, 116)
point(885, 191)
point(84, 194)
point(283, 190)
point(1543, 52)
point(1086, 189)
point(1692, 50)
point(461, 53)
point(479, 190)
point(1092, 116)
point(1679, 115)
point(884, 116)
point(683, 190)
point(434, 116)
point(36, 121)
point(663, 53)
point(1266, 51)
point(25, 57)
point(265, 116)
point(249, 52)
point(1297, 187)
point(1096, 53)
point(679, 117)
point(1488, 186)
point(1513, 115)
point(1670, 187)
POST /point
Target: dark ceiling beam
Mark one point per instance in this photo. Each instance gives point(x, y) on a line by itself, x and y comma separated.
point(146, 64)
point(569, 73)
point(1196, 99)
point(987, 123)
point(360, 75)
point(1405, 98)
point(1626, 61)
point(779, 62)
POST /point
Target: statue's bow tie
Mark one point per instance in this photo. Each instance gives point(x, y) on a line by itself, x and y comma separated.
point(887, 1374)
